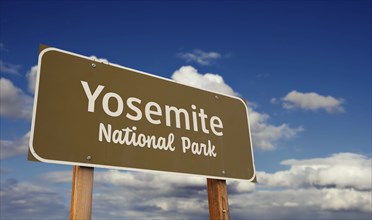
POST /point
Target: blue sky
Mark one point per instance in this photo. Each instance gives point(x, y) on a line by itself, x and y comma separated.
point(303, 66)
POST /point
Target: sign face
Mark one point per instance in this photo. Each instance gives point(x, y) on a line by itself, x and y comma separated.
point(91, 113)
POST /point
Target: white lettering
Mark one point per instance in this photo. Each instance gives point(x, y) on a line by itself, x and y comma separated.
point(129, 137)
point(194, 118)
point(149, 112)
point(177, 113)
point(113, 105)
point(91, 97)
point(203, 117)
point(185, 144)
point(207, 150)
point(107, 133)
point(105, 104)
point(134, 108)
point(214, 125)
point(116, 136)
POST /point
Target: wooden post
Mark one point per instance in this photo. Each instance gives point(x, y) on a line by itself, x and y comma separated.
point(82, 190)
point(217, 199)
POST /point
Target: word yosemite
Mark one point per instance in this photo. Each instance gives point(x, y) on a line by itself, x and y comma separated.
point(153, 111)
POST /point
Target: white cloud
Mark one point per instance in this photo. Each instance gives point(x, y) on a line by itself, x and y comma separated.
point(336, 187)
point(309, 203)
point(312, 101)
point(31, 77)
point(237, 187)
point(9, 68)
point(200, 57)
point(57, 177)
point(27, 200)
point(163, 182)
point(264, 204)
point(146, 195)
point(173, 195)
point(14, 103)
point(14, 148)
point(103, 60)
point(346, 199)
point(263, 134)
point(342, 170)
point(188, 75)
point(143, 195)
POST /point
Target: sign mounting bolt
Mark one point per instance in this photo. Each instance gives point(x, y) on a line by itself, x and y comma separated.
point(93, 65)
point(216, 96)
point(223, 172)
point(89, 157)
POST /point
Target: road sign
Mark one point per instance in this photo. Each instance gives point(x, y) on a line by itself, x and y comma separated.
point(91, 113)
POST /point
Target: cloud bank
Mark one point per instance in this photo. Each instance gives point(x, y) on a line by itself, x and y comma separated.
point(341, 170)
point(312, 101)
point(319, 195)
point(14, 148)
point(27, 200)
point(309, 189)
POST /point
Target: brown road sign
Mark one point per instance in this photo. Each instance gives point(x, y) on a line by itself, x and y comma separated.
point(91, 113)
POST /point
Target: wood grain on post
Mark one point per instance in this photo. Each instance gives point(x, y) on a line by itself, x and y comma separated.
point(82, 190)
point(218, 199)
